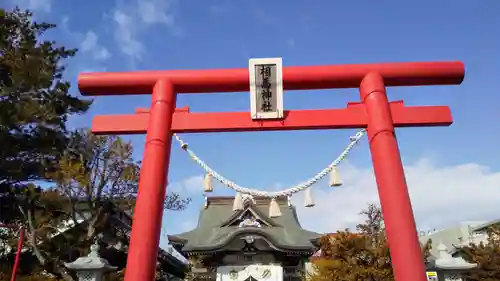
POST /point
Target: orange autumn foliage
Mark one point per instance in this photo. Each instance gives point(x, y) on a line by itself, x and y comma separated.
point(360, 256)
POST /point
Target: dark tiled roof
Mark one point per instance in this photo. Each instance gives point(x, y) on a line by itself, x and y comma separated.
point(213, 232)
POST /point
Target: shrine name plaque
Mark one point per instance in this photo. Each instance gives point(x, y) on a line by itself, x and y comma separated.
point(266, 88)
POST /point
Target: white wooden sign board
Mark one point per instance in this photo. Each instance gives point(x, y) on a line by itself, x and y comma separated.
point(266, 88)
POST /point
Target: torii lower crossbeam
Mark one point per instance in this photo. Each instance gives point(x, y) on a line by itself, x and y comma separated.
point(354, 116)
point(374, 113)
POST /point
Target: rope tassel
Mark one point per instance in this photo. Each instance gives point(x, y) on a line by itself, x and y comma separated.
point(334, 177)
point(238, 202)
point(309, 202)
point(274, 209)
point(208, 183)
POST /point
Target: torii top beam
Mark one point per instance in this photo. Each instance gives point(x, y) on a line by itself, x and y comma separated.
point(294, 78)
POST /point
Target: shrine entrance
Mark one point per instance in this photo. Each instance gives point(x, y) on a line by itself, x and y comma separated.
point(374, 112)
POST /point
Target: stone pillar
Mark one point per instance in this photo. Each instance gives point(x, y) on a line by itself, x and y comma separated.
point(92, 267)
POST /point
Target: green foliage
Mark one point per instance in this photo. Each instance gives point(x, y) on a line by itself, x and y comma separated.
point(5, 276)
point(34, 107)
point(34, 99)
point(95, 177)
point(486, 255)
point(101, 168)
point(347, 256)
point(91, 176)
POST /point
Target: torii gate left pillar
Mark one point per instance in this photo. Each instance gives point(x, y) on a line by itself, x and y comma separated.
point(374, 112)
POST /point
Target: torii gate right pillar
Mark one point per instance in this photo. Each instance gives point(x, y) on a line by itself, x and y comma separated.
point(395, 201)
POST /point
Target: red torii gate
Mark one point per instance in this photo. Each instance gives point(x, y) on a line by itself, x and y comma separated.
point(374, 112)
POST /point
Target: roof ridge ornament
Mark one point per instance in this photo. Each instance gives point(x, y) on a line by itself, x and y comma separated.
point(249, 212)
point(248, 199)
point(249, 223)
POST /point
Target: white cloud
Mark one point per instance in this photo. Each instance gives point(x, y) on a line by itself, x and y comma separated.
point(152, 12)
point(135, 16)
point(125, 35)
point(91, 45)
point(441, 196)
point(191, 185)
point(65, 23)
point(35, 5)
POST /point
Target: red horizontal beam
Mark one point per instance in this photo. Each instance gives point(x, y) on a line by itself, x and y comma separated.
point(146, 110)
point(352, 117)
point(294, 78)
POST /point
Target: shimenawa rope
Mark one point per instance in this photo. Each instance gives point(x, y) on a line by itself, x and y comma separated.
point(286, 192)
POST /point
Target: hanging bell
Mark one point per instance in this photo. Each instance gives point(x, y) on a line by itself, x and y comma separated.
point(334, 177)
point(308, 200)
point(208, 183)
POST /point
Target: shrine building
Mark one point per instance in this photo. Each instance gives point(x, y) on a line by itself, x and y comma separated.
point(245, 243)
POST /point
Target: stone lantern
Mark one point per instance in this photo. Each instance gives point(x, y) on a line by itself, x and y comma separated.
point(92, 267)
point(446, 267)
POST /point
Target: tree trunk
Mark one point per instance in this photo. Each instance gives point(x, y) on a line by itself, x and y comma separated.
point(58, 268)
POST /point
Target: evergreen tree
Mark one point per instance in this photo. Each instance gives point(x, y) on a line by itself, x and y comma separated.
point(90, 175)
point(34, 106)
point(34, 99)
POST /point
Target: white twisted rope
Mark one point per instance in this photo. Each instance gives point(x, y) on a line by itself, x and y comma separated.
point(286, 192)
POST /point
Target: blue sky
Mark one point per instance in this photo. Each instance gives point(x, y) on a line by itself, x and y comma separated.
point(455, 166)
